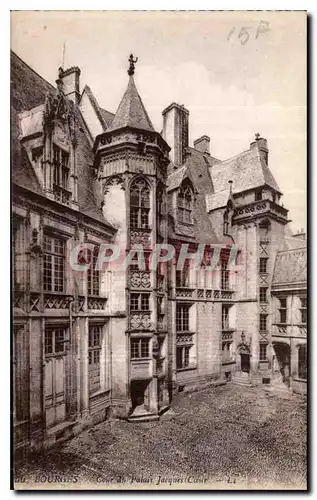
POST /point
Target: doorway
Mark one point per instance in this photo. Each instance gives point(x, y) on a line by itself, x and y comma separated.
point(245, 362)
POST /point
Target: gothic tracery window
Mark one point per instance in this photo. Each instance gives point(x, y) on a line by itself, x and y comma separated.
point(185, 204)
point(139, 204)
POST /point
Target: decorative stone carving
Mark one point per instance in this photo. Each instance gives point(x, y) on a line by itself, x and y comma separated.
point(209, 294)
point(56, 301)
point(200, 294)
point(184, 292)
point(18, 299)
point(184, 338)
point(115, 180)
point(97, 303)
point(140, 237)
point(160, 282)
point(34, 302)
point(140, 320)
point(58, 108)
point(140, 279)
point(80, 304)
point(227, 335)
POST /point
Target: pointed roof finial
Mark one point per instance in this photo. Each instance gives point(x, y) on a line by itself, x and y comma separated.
point(257, 136)
point(230, 187)
point(132, 63)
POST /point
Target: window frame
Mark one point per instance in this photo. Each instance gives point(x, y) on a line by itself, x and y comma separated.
point(263, 352)
point(138, 298)
point(95, 331)
point(50, 260)
point(302, 362)
point(282, 310)
point(263, 319)
point(185, 204)
point(61, 167)
point(263, 290)
point(225, 318)
point(141, 347)
point(52, 330)
point(140, 204)
point(183, 357)
point(263, 259)
point(182, 318)
point(303, 310)
point(93, 275)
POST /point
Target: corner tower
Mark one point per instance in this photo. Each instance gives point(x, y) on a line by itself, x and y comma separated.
point(131, 161)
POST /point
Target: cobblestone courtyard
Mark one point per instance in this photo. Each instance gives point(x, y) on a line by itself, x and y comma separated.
point(229, 436)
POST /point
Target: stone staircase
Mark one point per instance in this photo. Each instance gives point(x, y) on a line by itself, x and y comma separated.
point(241, 378)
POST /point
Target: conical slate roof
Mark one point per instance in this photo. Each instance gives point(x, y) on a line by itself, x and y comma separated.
point(131, 111)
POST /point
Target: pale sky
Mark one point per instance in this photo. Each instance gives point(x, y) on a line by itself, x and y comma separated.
point(233, 86)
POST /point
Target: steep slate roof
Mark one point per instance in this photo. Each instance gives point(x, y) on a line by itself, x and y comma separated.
point(196, 168)
point(131, 111)
point(247, 170)
point(290, 267)
point(28, 90)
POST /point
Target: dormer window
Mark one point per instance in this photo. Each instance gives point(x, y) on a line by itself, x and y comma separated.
point(139, 204)
point(60, 174)
point(185, 204)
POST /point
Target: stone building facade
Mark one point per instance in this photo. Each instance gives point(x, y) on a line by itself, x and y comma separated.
point(88, 340)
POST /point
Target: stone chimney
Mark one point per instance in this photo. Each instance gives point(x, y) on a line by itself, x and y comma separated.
point(175, 132)
point(70, 81)
point(261, 144)
point(203, 144)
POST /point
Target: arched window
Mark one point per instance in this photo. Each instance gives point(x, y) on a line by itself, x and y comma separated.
point(185, 204)
point(139, 204)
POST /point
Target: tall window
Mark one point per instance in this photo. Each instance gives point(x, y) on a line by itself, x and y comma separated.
point(224, 276)
point(303, 310)
point(19, 257)
point(302, 361)
point(94, 355)
point(61, 168)
point(139, 204)
point(182, 276)
point(263, 322)
point(54, 264)
point(55, 340)
point(263, 265)
point(185, 204)
point(264, 228)
point(225, 317)
point(93, 275)
point(182, 357)
point(263, 294)
point(182, 317)
point(283, 311)
point(140, 348)
point(139, 302)
point(226, 351)
point(263, 349)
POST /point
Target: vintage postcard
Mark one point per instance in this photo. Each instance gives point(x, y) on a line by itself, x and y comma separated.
point(159, 251)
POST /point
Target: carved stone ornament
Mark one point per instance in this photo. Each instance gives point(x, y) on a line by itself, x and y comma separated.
point(115, 180)
point(58, 108)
